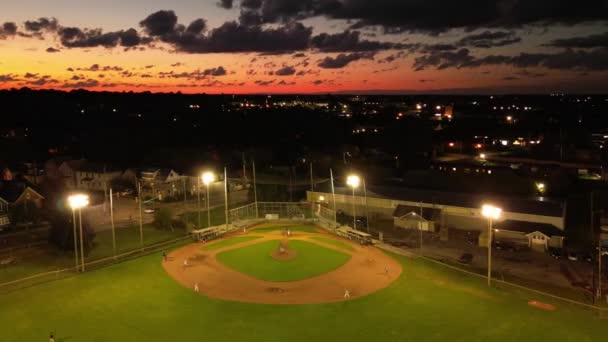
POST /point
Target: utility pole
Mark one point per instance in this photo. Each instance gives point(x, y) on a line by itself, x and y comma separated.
point(112, 222)
point(366, 207)
point(490, 251)
point(75, 240)
point(81, 241)
point(226, 194)
point(198, 190)
point(333, 195)
point(141, 218)
point(255, 191)
point(420, 224)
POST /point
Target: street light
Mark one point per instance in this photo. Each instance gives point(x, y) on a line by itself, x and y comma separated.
point(78, 201)
point(541, 188)
point(482, 156)
point(491, 213)
point(353, 181)
point(208, 178)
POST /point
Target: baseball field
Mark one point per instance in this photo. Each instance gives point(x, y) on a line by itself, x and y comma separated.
point(266, 286)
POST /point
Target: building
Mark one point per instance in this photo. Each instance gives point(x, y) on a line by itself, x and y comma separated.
point(161, 182)
point(4, 214)
point(451, 214)
point(95, 177)
point(67, 172)
point(417, 218)
point(539, 236)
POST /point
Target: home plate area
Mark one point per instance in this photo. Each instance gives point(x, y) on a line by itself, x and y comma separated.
point(282, 264)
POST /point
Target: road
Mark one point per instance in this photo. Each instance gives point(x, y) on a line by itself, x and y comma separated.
point(126, 210)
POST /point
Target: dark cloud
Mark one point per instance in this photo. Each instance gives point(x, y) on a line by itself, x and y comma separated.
point(234, 37)
point(42, 24)
point(434, 16)
point(348, 41)
point(8, 29)
point(285, 71)
point(74, 37)
point(8, 78)
point(227, 4)
point(250, 18)
point(317, 82)
point(219, 71)
point(264, 83)
point(510, 78)
point(488, 39)
point(52, 50)
point(89, 83)
point(283, 83)
point(251, 4)
point(592, 41)
point(568, 59)
point(343, 60)
point(30, 75)
point(197, 26)
point(299, 55)
point(159, 23)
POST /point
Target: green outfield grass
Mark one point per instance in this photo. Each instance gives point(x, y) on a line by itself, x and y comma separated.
point(255, 260)
point(337, 243)
point(137, 301)
point(47, 258)
point(229, 242)
point(305, 229)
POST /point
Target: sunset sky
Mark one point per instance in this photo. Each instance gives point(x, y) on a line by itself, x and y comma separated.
point(305, 46)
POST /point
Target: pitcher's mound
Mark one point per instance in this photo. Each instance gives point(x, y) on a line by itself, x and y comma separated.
point(283, 252)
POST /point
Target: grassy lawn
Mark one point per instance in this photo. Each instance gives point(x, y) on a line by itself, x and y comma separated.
point(136, 301)
point(306, 229)
point(255, 260)
point(330, 241)
point(48, 258)
point(229, 242)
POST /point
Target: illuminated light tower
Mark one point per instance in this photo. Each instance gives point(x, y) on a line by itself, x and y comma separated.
point(541, 188)
point(491, 213)
point(353, 181)
point(208, 178)
point(77, 202)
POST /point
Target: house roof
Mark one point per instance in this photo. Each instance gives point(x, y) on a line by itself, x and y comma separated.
point(528, 227)
point(96, 168)
point(429, 214)
point(11, 191)
point(466, 200)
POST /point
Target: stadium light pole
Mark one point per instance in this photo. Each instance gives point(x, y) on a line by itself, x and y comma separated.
point(353, 181)
point(77, 202)
point(208, 178)
point(198, 192)
point(491, 213)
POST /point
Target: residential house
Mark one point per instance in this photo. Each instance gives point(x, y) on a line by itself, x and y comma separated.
point(161, 182)
point(67, 171)
point(4, 213)
point(417, 218)
point(18, 193)
point(539, 236)
point(95, 177)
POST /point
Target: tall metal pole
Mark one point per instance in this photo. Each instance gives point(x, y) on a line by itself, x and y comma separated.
point(185, 196)
point(489, 251)
point(333, 195)
point(420, 224)
point(312, 180)
point(198, 186)
point(81, 241)
point(208, 207)
point(366, 207)
point(255, 191)
point(354, 211)
point(75, 240)
point(226, 194)
point(141, 219)
point(112, 221)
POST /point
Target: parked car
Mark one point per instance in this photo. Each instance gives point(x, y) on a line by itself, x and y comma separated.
point(572, 256)
point(555, 253)
point(149, 211)
point(466, 258)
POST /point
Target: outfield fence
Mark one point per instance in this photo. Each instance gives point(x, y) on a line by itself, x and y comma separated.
point(62, 273)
